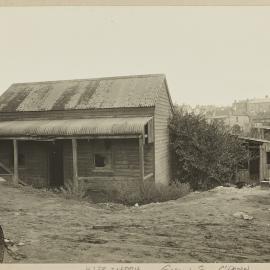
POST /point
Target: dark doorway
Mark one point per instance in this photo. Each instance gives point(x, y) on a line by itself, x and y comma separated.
point(2, 245)
point(56, 174)
point(254, 165)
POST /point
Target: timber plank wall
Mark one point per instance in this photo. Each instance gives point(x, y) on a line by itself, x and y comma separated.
point(35, 169)
point(125, 162)
point(124, 168)
point(163, 111)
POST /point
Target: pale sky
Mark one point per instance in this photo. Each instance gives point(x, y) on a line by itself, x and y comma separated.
point(210, 55)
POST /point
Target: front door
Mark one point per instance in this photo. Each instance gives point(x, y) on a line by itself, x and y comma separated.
point(56, 175)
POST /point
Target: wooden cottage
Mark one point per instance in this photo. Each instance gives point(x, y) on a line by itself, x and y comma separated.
point(90, 132)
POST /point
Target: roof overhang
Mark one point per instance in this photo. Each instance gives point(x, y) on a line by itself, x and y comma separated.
point(94, 127)
point(255, 140)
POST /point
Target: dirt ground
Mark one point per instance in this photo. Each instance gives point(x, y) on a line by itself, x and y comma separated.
point(200, 227)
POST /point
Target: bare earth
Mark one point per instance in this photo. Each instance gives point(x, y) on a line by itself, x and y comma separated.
point(197, 228)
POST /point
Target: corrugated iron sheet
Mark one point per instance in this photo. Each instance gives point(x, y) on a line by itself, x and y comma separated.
point(74, 127)
point(118, 92)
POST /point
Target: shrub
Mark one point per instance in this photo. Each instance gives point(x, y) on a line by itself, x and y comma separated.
point(148, 193)
point(68, 191)
point(204, 154)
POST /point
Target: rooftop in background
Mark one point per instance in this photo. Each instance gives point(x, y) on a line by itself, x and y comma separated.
point(260, 100)
point(110, 92)
point(266, 99)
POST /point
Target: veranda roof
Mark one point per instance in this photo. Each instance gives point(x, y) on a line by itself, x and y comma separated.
point(74, 127)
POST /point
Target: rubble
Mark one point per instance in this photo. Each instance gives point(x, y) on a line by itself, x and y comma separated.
point(12, 249)
point(2, 180)
point(242, 215)
point(103, 227)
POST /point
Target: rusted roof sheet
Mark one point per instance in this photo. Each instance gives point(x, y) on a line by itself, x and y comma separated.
point(117, 92)
point(74, 127)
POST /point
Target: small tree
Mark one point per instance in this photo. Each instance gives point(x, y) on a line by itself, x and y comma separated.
point(204, 154)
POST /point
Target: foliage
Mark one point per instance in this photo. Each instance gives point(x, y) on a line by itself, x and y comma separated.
point(148, 193)
point(125, 193)
point(68, 191)
point(236, 129)
point(204, 154)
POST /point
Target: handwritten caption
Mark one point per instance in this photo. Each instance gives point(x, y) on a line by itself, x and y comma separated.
point(204, 267)
point(168, 267)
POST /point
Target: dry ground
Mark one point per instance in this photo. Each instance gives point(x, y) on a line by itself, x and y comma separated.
point(197, 228)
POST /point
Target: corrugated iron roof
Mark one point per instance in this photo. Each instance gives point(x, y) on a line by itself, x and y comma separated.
point(74, 127)
point(117, 92)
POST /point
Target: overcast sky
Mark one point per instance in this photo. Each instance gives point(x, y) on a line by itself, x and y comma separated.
point(210, 55)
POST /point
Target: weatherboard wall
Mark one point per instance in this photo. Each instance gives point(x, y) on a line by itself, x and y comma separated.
point(6, 153)
point(124, 171)
point(124, 167)
point(163, 111)
point(34, 171)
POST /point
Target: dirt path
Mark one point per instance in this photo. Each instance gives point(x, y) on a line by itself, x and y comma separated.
point(197, 228)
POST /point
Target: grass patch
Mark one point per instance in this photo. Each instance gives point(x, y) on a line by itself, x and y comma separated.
point(148, 193)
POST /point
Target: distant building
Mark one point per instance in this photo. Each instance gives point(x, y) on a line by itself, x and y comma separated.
point(252, 106)
point(239, 124)
point(212, 110)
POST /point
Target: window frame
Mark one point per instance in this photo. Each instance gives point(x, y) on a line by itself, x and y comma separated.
point(106, 154)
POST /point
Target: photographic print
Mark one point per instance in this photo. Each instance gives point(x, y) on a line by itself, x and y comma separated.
point(135, 134)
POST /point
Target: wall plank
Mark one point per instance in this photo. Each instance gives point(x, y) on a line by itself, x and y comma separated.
point(163, 111)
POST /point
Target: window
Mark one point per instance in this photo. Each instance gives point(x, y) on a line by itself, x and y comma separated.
point(102, 155)
point(102, 161)
point(268, 157)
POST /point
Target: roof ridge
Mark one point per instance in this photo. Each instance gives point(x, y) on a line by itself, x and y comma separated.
point(98, 78)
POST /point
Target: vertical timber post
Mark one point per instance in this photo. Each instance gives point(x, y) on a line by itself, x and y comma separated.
point(141, 158)
point(75, 165)
point(249, 178)
point(262, 160)
point(15, 165)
